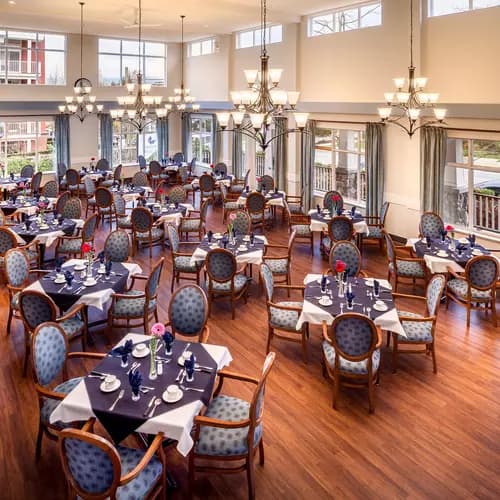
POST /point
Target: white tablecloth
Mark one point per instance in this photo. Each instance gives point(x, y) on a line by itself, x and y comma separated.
point(434, 263)
point(176, 424)
point(32, 209)
point(225, 182)
point(277, 202)
point(50, 237)
point(318, 226)
point(176, 217)
point(242, 258)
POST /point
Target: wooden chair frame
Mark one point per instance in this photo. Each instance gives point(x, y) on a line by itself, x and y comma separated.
point(200, 217)
point(136, 241)
point(80, 236)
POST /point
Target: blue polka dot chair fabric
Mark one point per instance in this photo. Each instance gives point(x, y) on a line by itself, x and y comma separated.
point(347, 252)
point(17, 273)
point(431, 225)
point(72, 209)
point(140, 179)
point(242, 223)
point(188, 311)
point(177, 195)
point(117, 246)
point(266, 183)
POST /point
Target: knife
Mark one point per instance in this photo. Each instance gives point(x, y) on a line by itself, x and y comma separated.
point(149, 406)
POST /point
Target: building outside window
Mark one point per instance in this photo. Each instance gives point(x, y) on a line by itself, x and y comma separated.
point(339, 163)
point(472, 184)
point(253, 37)
point(32, 58)
point(27, 143)
point(445, 7)
point(202, 138)
point(128, 144)
point(119, 62)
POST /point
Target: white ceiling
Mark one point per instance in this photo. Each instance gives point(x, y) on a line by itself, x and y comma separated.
point(107, 17)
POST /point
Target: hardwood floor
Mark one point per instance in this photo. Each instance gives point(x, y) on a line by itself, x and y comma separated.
point(432, 436)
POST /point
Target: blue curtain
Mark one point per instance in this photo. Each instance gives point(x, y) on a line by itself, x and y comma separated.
point(186, 135)
point(62, 139)
point(307, 163)
point(374, 161)
point(106, 128)
point(216, 139)
point(162, 133)
point(280, 152)
point(237, 157)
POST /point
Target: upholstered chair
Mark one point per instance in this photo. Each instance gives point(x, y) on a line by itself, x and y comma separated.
point(229, 202)
point(220, 169)
point(376, 223)
point(117, 177)
point(27, 172)
point(72, 209)
point(117, 246)
point(144, 230)
point(134, 305)
point(90, 194)
point(242, 223)
point(62, 199)
point(195, 222)
point(208, 188)
point(351, 354)
point(102, 165)
point(231, 429)
point(105, 205)
point(177, 195)
point(73, 182)
point(420, 329)
point(340, 228)
point(431, 225)
point(301, 224)
point(8, 240)
point(329, 200)
point(35, 184)
point(259, 213)
point(140, 179)
point(238, 185)
point(279, 259)
point(50, 189)
point(476, 287)
point(178, 158)
point(266, 183)
point(154, 172)
point(122, 218)
point(347, 252)
point(282, 316)
point(141, 160)
point(224, 280)
point(72, 245)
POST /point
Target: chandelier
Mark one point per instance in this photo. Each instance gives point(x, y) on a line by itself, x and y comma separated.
point(263, 101)
point(138, 108)
point(409, 102)
point(182, 100)
point(82, 103)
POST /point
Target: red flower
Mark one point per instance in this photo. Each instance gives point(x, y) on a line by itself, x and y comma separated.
point(336, 198)
point(21, 185)
point(161, 191)
point(449, 228)
point(86, 248)
point(92, 159)
point(340, 266)
point(212, 166)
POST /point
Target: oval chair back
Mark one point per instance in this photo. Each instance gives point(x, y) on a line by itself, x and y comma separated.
point(102, 164)
point(207, 185)
point(383, 212)
point(389, 245)
point(332, 198)
point(50, 189)
point(36, 182)
point(256, 202)
point(340, 228)
point(120, 205)
point(72, 209)
point(242, 222)
point(117, 174)
point(268, 280)
point(8, 240)
point(89, 186)
point(178, 158)
point(36, 308)
point(103, 198)
point(431, 225)
point(117, 246)
point(88, 229)
point(141, 219)
point(154, 168)
point(221, 266)
point(160, 190)
point(188, 312)
point(347, 252)
point(72, 178)
point(434, 292)
point(482, 272)
point(173, 237)
point(266, 183)
point(27, 171)
point(140, 179)
point(192, 166)
point(17, 267)
point(204, 209)
point(141, 161)
point(220, 169)
point(177, 195)
point(61, 201)
point(153, 281)
point(257, 404)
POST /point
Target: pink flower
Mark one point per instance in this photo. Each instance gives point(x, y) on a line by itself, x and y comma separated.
point(42, 205)
point(158, 329)
point(21, 185)
point(232, 216)
point(212, 166)
point(449, 228)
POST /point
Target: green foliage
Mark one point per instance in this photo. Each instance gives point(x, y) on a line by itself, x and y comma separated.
point(485, 191)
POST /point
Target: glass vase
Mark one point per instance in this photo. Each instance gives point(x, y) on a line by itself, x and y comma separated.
point(341, 286)
point(152, 359)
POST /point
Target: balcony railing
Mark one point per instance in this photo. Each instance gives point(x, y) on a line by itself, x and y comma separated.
point(20, 67)
point(260, 164)
point(487, 212)
point(322, 178)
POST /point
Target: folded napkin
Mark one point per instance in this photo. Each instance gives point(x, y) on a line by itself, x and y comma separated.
point(123, 350)
point(310, 278)
point(135, 380)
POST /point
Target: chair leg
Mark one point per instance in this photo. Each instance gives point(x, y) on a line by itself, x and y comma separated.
point(250, 473)
point(39, 438)
point(468, 314)
point(232, 307)
point(494, 313)
point(9, 321)
point(261, 451)
point(270, 334)
point(304, 345)
point(371, 395)
point(394, 353)
point(434, 362)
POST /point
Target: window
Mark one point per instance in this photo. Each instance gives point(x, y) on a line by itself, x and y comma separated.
point(119, 62)
point(444, 7)
point(27, 142)
point(339, 163)
point(32, 58)
point(128, 144)
point(253, 37)
point(353, 18)
point(201, 47)
point(202, 138)
point(472, 184)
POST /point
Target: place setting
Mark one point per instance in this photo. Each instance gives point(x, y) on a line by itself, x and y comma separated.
point(44, 228)
point(321, 217)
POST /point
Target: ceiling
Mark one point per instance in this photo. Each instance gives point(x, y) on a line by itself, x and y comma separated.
point(107, 17)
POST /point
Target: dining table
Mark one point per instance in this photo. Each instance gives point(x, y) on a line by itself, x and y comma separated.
point(154, 412)
point(273, 198)
point(131, 193)
point(323, 306)
point(13, 182)
point(225, 180)
point(25, 205)
point(320, 220)
point(169, 213)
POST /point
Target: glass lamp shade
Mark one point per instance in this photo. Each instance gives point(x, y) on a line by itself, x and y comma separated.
point(168, 107)
point(89, 107)
point(301, 119)
point(181, 107)
point(414, 113)
point(130, 87)
point(113, 113)
point(79, 99)
point(384, 113)
point(399, 82)
point(68, 99)
point(402, 96)
point(440, 114)
point(146, 87)
point(62, 108)
point(293, 97)
point(250, 76)
point(236, 97)
point(275, 75)
point(420, 82)
point(99, 107)
point(196, 107)
point(148, 100)
point(161, 113)
point(433, 97)
point(238, 118)
point(92, 98)
point(223, 119)
point(389, 96)
point(257, 120)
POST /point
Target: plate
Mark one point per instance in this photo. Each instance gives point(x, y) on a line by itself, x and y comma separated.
point(43, 226)
point(136, 354)
point(463, 241)
point(380, 307)
point(442, 253)
point(176, 398)
point(101, 271)
point(180, 360)
point(246, 238)
point(60, 281)
point(217, 236)
point(113, 388)
point(242, 248)
point(327, 217)
point(79, 267)
point(213, 246)
point(90, 283)
point(325, 302)
point(27, 204)
point(369, 281)
point(476, 251)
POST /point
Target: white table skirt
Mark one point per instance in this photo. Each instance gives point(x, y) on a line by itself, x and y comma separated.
point(174, 218)
point(434, 263)
point(276, 202)
point(317, 226)
point(176, 424)
point(51, 237)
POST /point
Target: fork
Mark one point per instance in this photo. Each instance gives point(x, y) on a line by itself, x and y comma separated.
point(184, 388)
point(115, 402)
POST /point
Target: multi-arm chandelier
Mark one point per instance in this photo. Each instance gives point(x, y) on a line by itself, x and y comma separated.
point(182, 100)
point(138, 108)
point(82, 103)
point(263, 101)
point(410, 103)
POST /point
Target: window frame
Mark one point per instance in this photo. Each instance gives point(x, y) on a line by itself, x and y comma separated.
point(202, 116)
point(200, 43)
point(471, 7)
point(256, 36)
point(140, 147)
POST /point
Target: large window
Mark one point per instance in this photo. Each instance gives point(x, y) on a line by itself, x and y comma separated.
point(472, 184)
point(201, 47)
point(339, 163)
point(27, 143)
point(31, 58)
point(444, 7)
point(352, 18)
point(119, 62)
point(253, 37)
point(128, 144)
point(202, 138)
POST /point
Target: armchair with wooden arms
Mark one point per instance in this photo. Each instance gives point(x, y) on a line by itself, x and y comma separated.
point(195, 222)
point(376, 224)
point(301, 223)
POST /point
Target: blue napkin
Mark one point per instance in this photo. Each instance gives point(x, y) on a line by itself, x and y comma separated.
point(27, 222)
point(101, 256)
point(135, 381)
point(350, 297)
point(428, 240)
point(123, 350)
point(69, 276)
point(168, 338)
point(209, 236)
point(108, 267)
point(189, 366)
point(275, 190)
point(339, 211)
point(443, 234)
point(353, 211)
point(247, 189)
point(472, 239)
point(323, 283)
point(318, 208)
point(376, 286)
point(252, 237)
point(225, 240)
point(59, 263)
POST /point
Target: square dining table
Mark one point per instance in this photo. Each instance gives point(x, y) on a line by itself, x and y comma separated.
point(313, 312)
point(320, 221)
point(174, 420)
point(273, 198)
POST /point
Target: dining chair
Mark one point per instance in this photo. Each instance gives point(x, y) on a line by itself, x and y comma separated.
point(333, 198)
point(476, 287)
point(280, 262)
point(178, 158)
point(347, 252)
point(37, 307)
point(238, 185)
point(72, 245)
point(95, 469)
point(188, 313)
point(90, 194)
point(419, 329)
point(116, 179)
point(35, 184)
point(133, 304)
point(301, 224)
point(50, 189)
point(231, 429)
point(430, 225)
point(351, 354)
point(220, 169)
point(177, 195)
point(18, 274)
point(403, 267)
point(160, 190)
point(282, 317)
point(117, 246)
point(224, 279)
point(186, 182)
point(195, 221)
point(61, 201)
point(73, 182)
point(8, 240)
point(144, 230)
point(102, 165)
point(182, 267)
point(105, 206)
point(376, 223)
point(340, 228)
point(295, 204)
point(154, 172)
point(120, 208)
point(266, 183)
point(242, 223)
point(50, 348)
point(260, 215)
point(229, 202)
point(72, 208)
point(208, 188)
point(140, 179)
point(27, 172)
